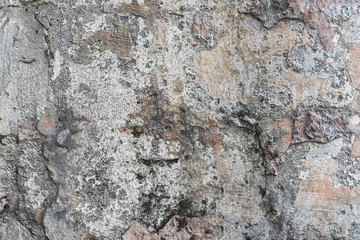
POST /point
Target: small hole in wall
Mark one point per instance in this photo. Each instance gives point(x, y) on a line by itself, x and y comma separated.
point(6, 207)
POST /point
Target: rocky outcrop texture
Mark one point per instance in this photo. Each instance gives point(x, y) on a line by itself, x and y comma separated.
point(191, 119)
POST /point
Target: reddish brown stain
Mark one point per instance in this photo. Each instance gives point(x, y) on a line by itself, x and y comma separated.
point(87, 236)
point(315, 17)
point(119, 44)
point(354, 60)
point(150, 9)
point(13, 200)
point(137, 232)
point(286, 140)
point(355, 152)
point(203, 30)
point(285, 128)
point(319, 198)
point(45, 122)
point(38, 214)
point(177, 228)
point(319, 125)
point(169, 123)
point(48, 121)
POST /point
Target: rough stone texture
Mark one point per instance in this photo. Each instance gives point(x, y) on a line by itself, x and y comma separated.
point(192, 119)
point(176, 228)
point(320, 125)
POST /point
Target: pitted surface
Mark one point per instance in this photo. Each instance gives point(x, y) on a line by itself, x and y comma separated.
point(193, 119)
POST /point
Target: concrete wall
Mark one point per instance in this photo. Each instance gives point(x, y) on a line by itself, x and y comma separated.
point(179, 119)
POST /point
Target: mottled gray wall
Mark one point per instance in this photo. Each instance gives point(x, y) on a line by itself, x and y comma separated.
point(179, 119)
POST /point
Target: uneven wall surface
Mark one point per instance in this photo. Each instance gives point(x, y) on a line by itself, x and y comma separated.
point(179, 119)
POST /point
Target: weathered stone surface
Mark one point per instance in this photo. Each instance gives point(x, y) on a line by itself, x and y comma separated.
point(320, 125)
point(275, 138)
point(176, 228)
point(322, 15)
point(354, 62)
point(193, 119)
point(355, 152)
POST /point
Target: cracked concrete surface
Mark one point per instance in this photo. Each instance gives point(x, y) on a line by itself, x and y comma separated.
point(192, 119)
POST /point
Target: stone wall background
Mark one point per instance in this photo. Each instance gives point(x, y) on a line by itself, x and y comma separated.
point(191, 119)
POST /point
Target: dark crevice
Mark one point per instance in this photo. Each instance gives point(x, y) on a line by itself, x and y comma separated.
point(149, 162)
